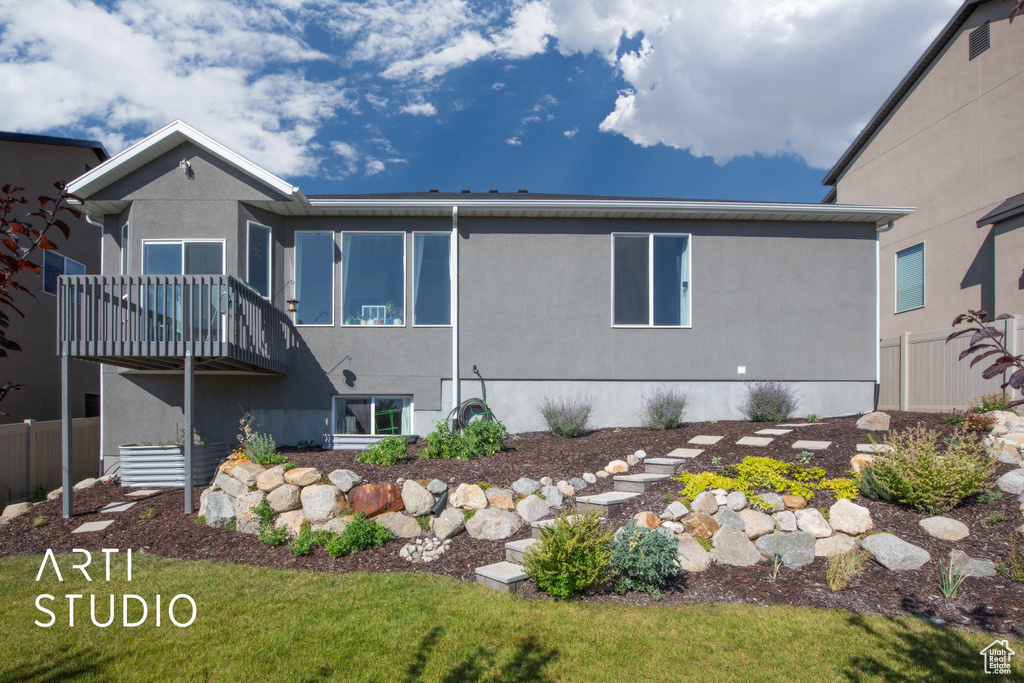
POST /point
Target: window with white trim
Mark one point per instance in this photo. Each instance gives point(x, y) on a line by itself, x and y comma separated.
point(650, 280)
point(910, 278)
point(55, 265)
point(373, 278)
point(258, 261)
point(314, 278)
point(432, 281)
point(372, 415)
point(183, 257)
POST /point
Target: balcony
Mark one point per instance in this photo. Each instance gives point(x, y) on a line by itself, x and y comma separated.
point(151, 322)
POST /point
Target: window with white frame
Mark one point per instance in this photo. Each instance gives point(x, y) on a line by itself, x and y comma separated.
point(432, 283)
point(314, 278)
point(910, 278)
point(183, 257)
point(55, 265)
point(650, 280)
point(258, 262)
point(373, 278)
point(372, 415)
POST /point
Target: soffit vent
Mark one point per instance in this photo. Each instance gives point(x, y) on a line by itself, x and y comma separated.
point(980, 40)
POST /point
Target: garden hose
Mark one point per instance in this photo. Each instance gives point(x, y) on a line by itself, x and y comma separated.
point(464, 413)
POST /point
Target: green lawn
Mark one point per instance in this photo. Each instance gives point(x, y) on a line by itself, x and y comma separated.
point(258, 624)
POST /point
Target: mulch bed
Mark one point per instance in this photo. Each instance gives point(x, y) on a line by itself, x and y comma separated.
point(990, 604)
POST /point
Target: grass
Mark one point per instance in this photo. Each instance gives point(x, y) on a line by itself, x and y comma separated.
point(264, 624)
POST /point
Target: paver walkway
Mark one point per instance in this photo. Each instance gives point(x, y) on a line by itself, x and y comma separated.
point(143, 492)
point(117, 507)
point(873, 447)
point(682, 453)
point(812, 445)
point(706, 440)
point(93, 526)
point(802, 424)
point(760, 441)
point(773, 432)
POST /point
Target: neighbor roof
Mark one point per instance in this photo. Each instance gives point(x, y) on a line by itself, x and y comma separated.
point(1011, 208)
point(95, 146)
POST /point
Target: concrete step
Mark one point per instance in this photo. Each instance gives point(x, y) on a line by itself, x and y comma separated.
point(667, 466)
point(501, 576)
point(608, 503)
point(636, 483)
point(540, 524)
point(515, 550)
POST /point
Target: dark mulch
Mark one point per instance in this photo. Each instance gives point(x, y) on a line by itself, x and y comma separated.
point(992, 604)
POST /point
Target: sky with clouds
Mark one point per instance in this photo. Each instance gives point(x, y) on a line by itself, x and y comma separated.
point(731, 99)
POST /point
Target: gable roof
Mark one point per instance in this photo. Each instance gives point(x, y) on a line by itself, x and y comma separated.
point(95, 146)
point(909, 81)
point(167, 138)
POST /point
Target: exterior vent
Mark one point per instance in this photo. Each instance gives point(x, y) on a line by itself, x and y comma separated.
point(523, 190)
point(433, 189)
point(492, 191)
point(980, 40)
point(465, 192)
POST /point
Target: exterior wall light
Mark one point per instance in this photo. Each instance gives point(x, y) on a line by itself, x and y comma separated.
point(293, 305)
point(185, 167)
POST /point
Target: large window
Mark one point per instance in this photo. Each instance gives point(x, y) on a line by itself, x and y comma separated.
point(314, 278)
point(183, 257)
point(373, 415)
point(910, 278)
point(258, 261)
point(651, 280)
point(373, 278)
point(164, 301)
point(432, 282)
point(55, 265)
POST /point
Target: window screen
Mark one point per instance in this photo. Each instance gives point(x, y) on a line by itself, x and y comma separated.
point(910, 278)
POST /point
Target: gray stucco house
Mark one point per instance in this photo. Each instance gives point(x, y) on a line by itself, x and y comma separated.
point(527, 294)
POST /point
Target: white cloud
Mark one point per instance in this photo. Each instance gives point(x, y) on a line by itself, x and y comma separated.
point(571, 133)
point(513, 142)
point(348, 155)
point(374, 166)
point(420, 109)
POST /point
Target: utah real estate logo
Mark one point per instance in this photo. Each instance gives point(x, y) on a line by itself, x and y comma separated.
point(997, 657)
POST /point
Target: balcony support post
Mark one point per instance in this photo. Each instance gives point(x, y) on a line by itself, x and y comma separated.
point(187, 437)
point(65, 431)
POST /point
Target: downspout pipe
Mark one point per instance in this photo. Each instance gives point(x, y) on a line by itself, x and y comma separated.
point(878, 309)
point(454, 257)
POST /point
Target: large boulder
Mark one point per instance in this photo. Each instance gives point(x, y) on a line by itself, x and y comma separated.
point(16, 510)
point(321, 502)
point(416, 498)
point(346, 480)
point(88, 483)
point(835, 544)
point(401, 525)
point(291, 521)
point(375, 499)
point(469, 496)
point(813, 522)
point(533, 508)
point(692, 555)
point(553, 495)
point(245, 516)
point(270, 479)
point(785, 520)
point(700, 524)
point(874, 422)
point(493, 524)
point(448, 523)
point(705, 502)
point(893, 552)
point(1012, 482)
point(302, 476)
point(794, 549)
point(284, 498)
point(500, 498)
point(736, 500)
point(944, 528)
point(220, 509)
point(247, 472)
point(756, 524)
point(731, 546)
point(726, 517)
point(230, 485)
point(525, 487)
point(849, 518)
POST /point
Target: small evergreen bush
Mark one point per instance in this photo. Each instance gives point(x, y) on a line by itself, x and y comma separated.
point(571, 555)
point(921, 474)
point(664, 408)
point(769, 400)
point(567, 417)
point(385, 452)
point(643, 559)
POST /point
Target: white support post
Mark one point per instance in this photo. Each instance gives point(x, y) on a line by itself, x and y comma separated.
point(904, 370)
point(65, 431)
point(456, 389)
point(30, 465)
point(187, 437)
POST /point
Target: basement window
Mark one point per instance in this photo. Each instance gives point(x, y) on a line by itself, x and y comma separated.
point(372, 415)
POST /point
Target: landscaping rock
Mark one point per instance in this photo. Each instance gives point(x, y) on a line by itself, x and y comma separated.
point(874, 422)
point(247, 472)
point(674, 527)
point(813, 522)
point(785, 520)
point(794, 502)
point(202, 500)
point(675, 511)
point(525, 487)
point(835, 544)
point(794, 549)
point(648, 520)
point(346, 480)
point(55, 494)
point(219, 509)
point(1012, 482)
point(336, 525)
point(401, 525)
point(578, 484)
point(701, 524)
point(945, 528)
point(692, 555)
point(493, 524)
point(16, 510)
point(860, 461)
point(448, 523)
point(773, 500)
point(726, 517)
point(552, 495)
point(849, 518)
point(375, 499)
point(589, 478)
point(86, 484)
point(894, 553)
point(731, 546)
point(500, 498)
point(302, 476)
point(736, 501)
point(640, 454)
point(566, 488)
point(705, 503)
point(284, 498)
point(230, 485)
point(756, 524)
point(437, 487)
point(416, 499)
point(631, 460)
point(616, 467)
point(321, 502)
point(270, 479)
point(291, 521)
point(720, 495)
point(245, 519)
point(469, 496)
point(532, 508)
point(969, 566)
point(601, 474)
point(547, 481)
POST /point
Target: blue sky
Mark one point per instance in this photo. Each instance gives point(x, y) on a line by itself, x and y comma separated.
point(732, 99)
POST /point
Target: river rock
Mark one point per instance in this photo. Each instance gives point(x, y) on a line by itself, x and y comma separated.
point(874, 422)
point(346, 480)
point(437, 487)
point(547, 481)
point(675, 511)
point(860, 461)
point(705, 502)
point(616, 467)
point(525, 487)
point(945, 528)
point(321, 502)
point(894, 553)
point(336, 525)
point(302, 476)
point(493, 524)
point(794, 549)
point(416, 499)
point(731, 546)
point(532, 508)
point(246, 520)
point(566, 488)
point(270, 479)
point(16, 510)
point(794, 502)
point(284, 498)
point(589, 478)
point(401, 525)
point(469, 496)
point(88, 483)
point(601, 474)
point(578, 484)
point(647, 519)
point(773, 501)
point(247, 472)
point(500, 498)
point(448, 523)
point(756, 524)
point(968, 566)
point(813, 522)
point(374, 499)
point(849, 518)
point(220, 509)
point(692, 555)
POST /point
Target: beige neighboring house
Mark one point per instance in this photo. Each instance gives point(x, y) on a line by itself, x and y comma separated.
point(950, 142)
point(36, 162)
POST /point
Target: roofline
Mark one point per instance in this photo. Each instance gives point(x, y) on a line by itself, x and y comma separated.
point(94, 180)
point(94, 145)
point(904, 87)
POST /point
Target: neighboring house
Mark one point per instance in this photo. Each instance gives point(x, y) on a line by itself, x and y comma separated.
point(949, 142)
point(36, 162)
point(529, 295)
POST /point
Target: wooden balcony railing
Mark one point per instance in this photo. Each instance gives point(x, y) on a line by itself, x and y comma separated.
point(152, 321)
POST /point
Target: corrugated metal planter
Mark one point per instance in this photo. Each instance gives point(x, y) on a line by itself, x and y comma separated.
point(165, 465)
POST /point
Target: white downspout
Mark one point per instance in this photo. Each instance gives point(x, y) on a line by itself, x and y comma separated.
point(878, 302)
point(92, 221)
point(456, 393)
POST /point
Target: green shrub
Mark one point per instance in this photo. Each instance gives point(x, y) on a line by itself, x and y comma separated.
point(261, 449)
point(442, 443)
point(1013, 567)
point(40, 522)
point(769, 400)
point(921, 474)
point(264, 513)
point(643, 559)
point(385, 452)
point(755, 472)
point(360, 534)
point(954, 417)
point(988, 403)
point(663, 409)
point(813, 417)
point(571, 555)
point(273, 535)
point(479, 438)
point(979, 422)
point(568, 418)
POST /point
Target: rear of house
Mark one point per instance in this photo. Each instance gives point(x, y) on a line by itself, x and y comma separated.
point(524, 295)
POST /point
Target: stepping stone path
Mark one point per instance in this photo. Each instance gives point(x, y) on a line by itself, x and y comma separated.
point(684, 453)
point(812, 445)
point(516, 550)
point(773, 432)
point(873, 448)
point(801, 424)
point(607, 503)
point(706, 440)
point(636, 483)
point(116, 507)
point(93, 526)
point(668, 466)
point(759, 441)
point(506, 577)
point(143, 492)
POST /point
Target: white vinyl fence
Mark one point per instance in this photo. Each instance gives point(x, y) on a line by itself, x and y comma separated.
point(30, 455)
point(921, 372)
